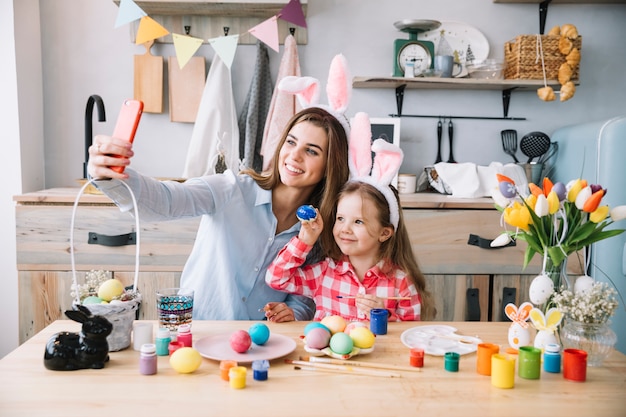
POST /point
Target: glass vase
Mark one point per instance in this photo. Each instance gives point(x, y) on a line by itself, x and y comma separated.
point(597, 339)
point(558, 274)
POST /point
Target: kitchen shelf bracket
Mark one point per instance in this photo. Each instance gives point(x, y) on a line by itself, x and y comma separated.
point(543, 14)
point(506, 99)
point(400, 97)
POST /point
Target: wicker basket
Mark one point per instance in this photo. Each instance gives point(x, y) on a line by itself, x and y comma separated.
point(523, 61)
point(121, 315)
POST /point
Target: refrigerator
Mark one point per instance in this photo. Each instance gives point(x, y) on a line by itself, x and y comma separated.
point(596, 151)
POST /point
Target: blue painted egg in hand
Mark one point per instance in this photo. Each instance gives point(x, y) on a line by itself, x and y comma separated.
point(306, 213)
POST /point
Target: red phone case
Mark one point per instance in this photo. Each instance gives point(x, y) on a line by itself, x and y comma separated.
point(127, 122)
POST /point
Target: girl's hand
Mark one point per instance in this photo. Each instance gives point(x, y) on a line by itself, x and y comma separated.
point(278, 312)
point(311, 229)
point(366, 302)
point(101, 157)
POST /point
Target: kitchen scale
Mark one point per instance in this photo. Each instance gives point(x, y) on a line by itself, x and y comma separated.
point(412, 50)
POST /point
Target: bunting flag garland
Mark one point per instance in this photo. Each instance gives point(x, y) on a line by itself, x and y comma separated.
point(149, 30)
point(186, 46)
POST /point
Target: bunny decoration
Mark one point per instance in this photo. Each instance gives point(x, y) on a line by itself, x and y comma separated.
point(519, 334)
point(67, 351)
point(546, 325)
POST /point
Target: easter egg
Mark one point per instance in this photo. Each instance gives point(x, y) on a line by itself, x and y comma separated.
point(353, 325)
point(334, 323)
point(110, 289)
point(259, 333)
point(92, 299)
point(362, 337)
point(306, 213)
point(318, 338)
point(185, 360)
point(583, 284)
point(541, 288)
point(341, 343)
point(313, 325)
point(240, 341)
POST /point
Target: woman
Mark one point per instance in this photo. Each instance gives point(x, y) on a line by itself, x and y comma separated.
point(246, 218)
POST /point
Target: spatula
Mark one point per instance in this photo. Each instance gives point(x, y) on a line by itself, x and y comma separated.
point(439, 134)
point(509, 143)
point(534, 144)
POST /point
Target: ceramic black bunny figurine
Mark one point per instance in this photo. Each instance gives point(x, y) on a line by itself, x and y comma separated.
point(68, 351)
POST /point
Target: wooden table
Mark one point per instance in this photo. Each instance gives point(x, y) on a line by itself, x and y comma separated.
point(27, 388)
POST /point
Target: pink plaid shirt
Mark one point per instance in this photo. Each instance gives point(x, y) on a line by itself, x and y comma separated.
point(325, 280)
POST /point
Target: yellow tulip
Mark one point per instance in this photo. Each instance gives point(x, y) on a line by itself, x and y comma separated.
point(531, 201)
point(599, 214)
point(574, 190)
point(517, 215)
point(553, 202)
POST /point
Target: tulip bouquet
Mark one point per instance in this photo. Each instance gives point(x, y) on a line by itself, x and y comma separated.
point(555, 220)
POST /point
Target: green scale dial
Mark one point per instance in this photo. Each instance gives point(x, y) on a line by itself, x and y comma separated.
point(419, 52)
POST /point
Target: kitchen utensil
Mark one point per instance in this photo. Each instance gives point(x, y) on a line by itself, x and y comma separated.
point(509, 143)
point(186, 87)
point(546, 157)
point(148, 80)
point(450, 135)
point(534, 144)
point(439, 134)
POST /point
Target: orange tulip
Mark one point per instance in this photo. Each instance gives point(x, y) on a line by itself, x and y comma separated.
point(536, 191)
point(504, 178)
point(593, 202)
point(547, 186)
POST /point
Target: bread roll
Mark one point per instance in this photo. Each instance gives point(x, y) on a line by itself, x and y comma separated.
point(546, 93)
point(569, 31)
point(565, 45)
point(573, 58)
point(565, 73)
point(567, 91)
point(555, 31)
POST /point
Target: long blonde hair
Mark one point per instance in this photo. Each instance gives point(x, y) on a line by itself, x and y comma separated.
point(396, 251)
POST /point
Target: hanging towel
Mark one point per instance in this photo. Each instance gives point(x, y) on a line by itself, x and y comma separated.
point(284, 105)
point(254, 112)
point(214, 139)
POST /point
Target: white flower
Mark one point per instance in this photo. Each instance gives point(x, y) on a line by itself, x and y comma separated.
point(618, 213)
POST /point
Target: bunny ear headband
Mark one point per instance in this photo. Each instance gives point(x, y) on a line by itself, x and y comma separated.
point(379, 173)
point(338, 90)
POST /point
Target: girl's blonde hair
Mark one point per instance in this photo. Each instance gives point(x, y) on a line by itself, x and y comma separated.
point(396, 251)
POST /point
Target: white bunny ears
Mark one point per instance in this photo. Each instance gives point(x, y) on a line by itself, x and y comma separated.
point(379, 172)
point(338, 90)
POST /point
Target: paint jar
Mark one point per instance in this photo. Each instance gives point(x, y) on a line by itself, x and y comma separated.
point(416, 358)
point(529, 366)
point(259, 369)
point(378, 321)
point(225, 367)
point(552, 358)
point(237, 377)
point(184, 335)
point(575, 365)
point(174, 346)
point(451, 361)
point(148, 359)
point(502, 371)
point(483, 357)
point(162, 341)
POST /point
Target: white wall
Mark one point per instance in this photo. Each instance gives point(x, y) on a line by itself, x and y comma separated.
point(83, 54)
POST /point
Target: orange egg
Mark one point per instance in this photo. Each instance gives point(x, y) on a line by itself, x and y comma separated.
point(336, 324)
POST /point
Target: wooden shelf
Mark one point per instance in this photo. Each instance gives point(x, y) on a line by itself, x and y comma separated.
point(221, 8)
point(563, 1)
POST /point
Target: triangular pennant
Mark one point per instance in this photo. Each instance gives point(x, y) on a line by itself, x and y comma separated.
point(292, 12)
point(267, 32)
point(128, 12)
point(185, 47)
point(148, 30)
point(225, 47)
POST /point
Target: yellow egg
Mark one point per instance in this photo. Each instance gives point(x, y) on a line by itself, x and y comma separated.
point(185, 360)
point(110, 289)
point(363, 337)
point(336, 324)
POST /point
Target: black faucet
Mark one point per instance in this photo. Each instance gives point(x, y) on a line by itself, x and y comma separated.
point(88, 125)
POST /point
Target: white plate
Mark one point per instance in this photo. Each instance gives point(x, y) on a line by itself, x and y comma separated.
point(460, 36)
point(218, 348)
point(436, 340)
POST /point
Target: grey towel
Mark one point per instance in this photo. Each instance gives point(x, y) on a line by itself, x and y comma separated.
point(254, 112)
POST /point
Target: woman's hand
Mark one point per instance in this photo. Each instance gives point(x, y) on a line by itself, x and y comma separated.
point(366, 302)
point(101, 157)
point(278, 312)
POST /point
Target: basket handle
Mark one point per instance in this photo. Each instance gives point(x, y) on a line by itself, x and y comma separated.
point(137, 231)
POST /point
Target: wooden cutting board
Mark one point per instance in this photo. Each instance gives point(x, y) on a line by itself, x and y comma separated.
point(149, 80)
point(185, 88)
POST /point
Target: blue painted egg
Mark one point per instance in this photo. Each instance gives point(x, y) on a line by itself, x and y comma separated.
point(306, 213)
point(259, 333)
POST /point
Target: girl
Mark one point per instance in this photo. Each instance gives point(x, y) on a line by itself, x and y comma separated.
point(370, 265)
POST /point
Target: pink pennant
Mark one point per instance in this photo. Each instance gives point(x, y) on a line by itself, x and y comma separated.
point(267, 32)
point(292, 12)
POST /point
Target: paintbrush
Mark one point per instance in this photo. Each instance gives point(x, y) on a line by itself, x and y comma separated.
point(347, 297)
point(311, 366)
point(360, 364)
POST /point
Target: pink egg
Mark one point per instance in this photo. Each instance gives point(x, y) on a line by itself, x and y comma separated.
point(318, 338)
point(353, 325)
point(240, 341)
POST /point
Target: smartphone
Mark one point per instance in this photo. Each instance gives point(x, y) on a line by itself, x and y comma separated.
point(127, 122)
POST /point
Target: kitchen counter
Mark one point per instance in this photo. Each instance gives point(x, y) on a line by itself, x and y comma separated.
point(27, 388)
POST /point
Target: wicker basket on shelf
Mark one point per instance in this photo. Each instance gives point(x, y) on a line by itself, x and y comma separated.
point(523, 60)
